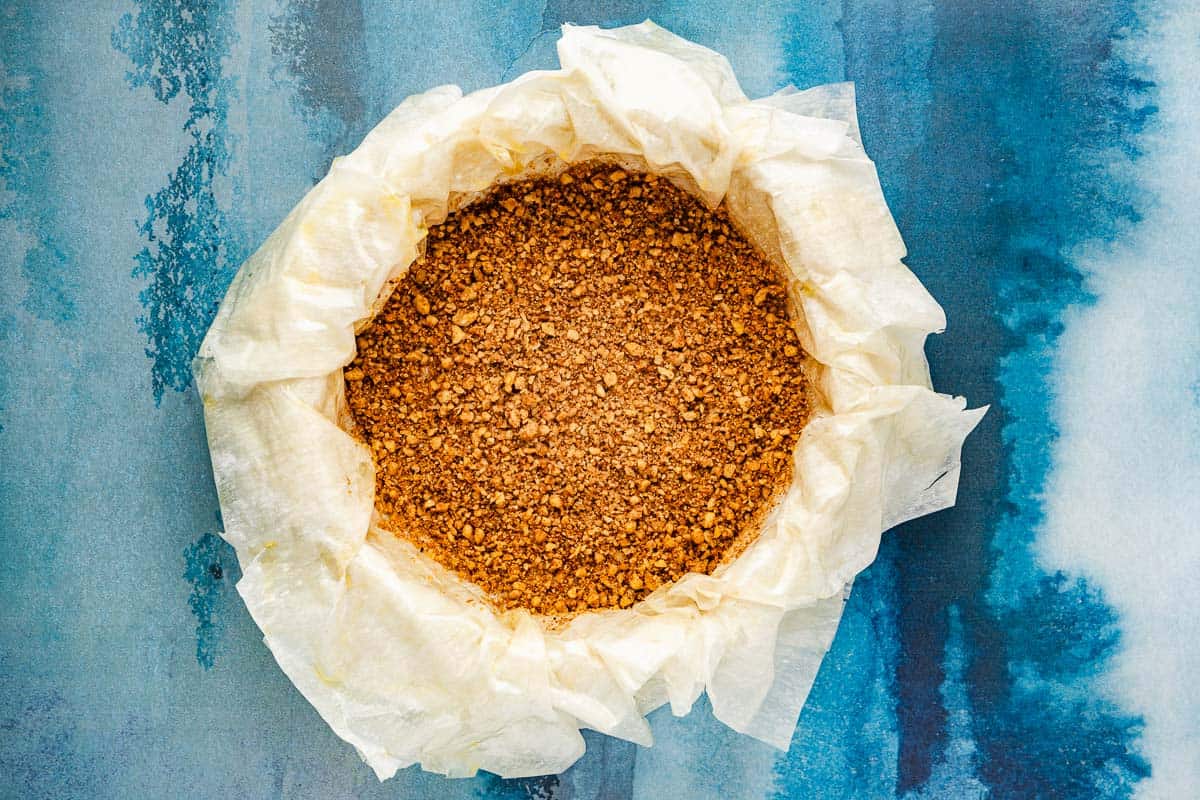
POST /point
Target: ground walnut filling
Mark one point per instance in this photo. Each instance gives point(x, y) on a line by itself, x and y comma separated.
point(587, 387)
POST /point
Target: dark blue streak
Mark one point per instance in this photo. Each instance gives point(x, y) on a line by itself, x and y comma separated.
point(845, 744)
point(25, 163)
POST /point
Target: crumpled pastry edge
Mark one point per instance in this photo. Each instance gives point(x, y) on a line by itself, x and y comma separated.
point(408, 662)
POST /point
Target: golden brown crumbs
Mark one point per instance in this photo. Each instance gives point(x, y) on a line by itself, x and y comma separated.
point(587, 387)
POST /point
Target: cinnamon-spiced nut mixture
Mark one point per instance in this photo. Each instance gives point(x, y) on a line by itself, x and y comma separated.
point(587, 387)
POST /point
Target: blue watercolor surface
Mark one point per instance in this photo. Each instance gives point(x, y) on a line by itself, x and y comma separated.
point(1036, 641)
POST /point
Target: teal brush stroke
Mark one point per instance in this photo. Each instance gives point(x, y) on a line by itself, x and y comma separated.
point(845, 745)
point(193, 247)
point(211, 569)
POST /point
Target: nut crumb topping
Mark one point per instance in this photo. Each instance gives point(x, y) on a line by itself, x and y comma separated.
point(587, 387)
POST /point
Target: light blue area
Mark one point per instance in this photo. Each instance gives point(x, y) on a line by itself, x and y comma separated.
point(317, 54)
point(954, 776)
point(995, 166)
point(846, 744)
point(282, 151)
point(698, 757)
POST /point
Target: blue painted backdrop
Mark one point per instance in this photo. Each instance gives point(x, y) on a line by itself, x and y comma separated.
point(1040, 157)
